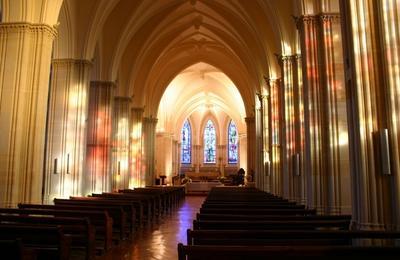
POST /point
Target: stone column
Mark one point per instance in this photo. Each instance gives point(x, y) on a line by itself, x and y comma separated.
point(275, 115)
point(243, 150)
point(224, 156)
point(287, 64)
point(24, 85)
point(164, 155)
point(66, 128)
point(370, 31)
point(175, 158)
point(336, 150)
point(120, 169)
point(314, 168)
point(259, 146)
point(326, 121)
point(98, 155)
point(137, 177)
point(197, 157)
point(265, 141)
point(178, 147)
point(251, 143)
point(148, 153)
point(221, 158)
point(298, 159)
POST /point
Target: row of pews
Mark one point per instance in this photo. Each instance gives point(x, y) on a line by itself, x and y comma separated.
point(82, 227)
point(245, 223)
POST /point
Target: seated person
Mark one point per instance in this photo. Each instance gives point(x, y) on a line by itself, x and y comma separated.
point(239, 178)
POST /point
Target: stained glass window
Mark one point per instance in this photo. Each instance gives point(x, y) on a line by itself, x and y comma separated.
point(209, 143)
point(232, 143)
point(186, 143)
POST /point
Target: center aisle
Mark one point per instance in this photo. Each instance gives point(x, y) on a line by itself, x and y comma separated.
point(160, 240)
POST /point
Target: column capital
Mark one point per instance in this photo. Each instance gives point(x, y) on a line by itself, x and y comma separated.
point(262, 97)
point(165, 134)
point(271, 81)
point(249, 120)
point(18, 27)
point(282, 58)
point(304, 19)
point(137, 109)
point(64, 62)
point(332, 17)
point(122, 99)
point(151, 120)
point(99, 83)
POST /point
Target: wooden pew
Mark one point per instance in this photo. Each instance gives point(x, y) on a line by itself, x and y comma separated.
point(148, 204)
point(238, 211)
point(80, 230)
point(169, 196)
point(99, 219)
point(200, 216)
point(219, 252)
point(270, 224)
point(252, 206)
point(243, 199)
point(46, 242)
point(116, 213)
point(134, 217)
point(240, 203)
point(163, 197)
point(250, 224)
point(286, 237)
point(14, 250)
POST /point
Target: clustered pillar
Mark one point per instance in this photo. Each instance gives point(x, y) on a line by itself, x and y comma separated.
point(120, 143)
point(372, 81)
point(325, 115)
point(148, 153)
point(66, 128)
point(99, 139)
point(24, 87)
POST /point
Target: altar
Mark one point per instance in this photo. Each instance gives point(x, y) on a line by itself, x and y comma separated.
point(201, 187)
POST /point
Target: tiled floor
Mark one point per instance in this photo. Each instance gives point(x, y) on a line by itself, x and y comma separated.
point(160, 240)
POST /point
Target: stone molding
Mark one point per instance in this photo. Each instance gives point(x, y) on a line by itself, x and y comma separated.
point(60, 62)
point(46, 29)
point(122, 98)
point(152, 120)
point(99, 83)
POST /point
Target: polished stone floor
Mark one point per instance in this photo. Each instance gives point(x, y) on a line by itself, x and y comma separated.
point(160, 240)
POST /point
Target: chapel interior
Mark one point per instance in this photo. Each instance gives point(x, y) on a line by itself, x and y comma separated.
point(99, 96)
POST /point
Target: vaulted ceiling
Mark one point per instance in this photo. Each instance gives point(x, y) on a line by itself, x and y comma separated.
point(144, 45)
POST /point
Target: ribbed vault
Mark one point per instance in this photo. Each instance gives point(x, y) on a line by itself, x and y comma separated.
point(143, 45)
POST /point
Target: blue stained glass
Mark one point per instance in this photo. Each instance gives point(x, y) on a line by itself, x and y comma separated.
point(232, 143)
point(186, 144)
point(209, 143)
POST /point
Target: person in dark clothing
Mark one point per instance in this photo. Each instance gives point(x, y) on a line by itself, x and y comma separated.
point(240, 177)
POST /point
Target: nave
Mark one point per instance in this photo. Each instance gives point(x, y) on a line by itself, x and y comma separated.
point(232, 223)
point(160, 240)
point(106, 100)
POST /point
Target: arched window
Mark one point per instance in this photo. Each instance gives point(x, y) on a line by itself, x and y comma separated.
point(209, 143)
point(232, 143)
point(186, 145)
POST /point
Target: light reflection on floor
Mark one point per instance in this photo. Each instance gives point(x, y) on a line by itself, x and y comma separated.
point(160, 240)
